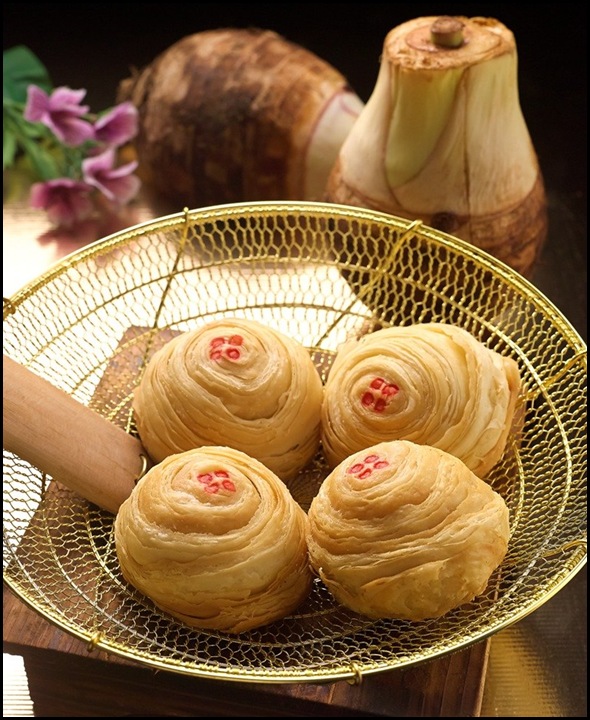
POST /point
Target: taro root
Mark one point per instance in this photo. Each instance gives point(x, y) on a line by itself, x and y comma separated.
point(443, 139)
point(234, 115)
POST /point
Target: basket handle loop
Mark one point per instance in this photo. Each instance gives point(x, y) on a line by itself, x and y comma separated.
point(357, 676)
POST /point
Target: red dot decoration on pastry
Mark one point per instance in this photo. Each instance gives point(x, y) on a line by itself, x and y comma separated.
point(364, 469)
point(230, 561)
point(234, 383)
point(215, 481)
point(412, 541)
point(225, 347)
point(379, 394)
point(433, 384)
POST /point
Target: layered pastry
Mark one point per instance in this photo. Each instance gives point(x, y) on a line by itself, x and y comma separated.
point(232, 382)
point(431, 383)
point(215, 539)
point(406, 531)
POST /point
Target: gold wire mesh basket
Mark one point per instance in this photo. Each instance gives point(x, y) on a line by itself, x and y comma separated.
point(322, 274)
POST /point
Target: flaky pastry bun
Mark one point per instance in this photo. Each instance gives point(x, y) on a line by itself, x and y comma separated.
point(237, 383)
point(215, 539)
point(430, 383)
point(406, 531)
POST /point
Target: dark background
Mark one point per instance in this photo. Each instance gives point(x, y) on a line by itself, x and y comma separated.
point(96, 45)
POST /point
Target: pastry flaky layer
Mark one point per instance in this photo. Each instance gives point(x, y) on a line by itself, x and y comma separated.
point(406, 531)
point(237, 383)
point(430, 383)
point(215, 539)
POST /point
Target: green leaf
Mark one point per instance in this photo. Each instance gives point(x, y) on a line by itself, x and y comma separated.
point(21, 69)
point(13, 118)
point(9, 149)
point(20, 134)
point(33, 130)
point(44, 165)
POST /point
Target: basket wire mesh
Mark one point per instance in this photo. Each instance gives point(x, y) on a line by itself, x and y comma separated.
point(322, 274)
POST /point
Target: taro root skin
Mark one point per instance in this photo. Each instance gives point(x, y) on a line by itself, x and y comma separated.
point(443, 139)
point(233, 115)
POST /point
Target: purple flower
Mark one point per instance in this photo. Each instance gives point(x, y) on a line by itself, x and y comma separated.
point(66, 201)
point(117, 126)
point(60, 112)
point(117, 184)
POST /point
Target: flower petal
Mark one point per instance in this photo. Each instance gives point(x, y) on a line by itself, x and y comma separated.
point(117, 126)
point(96, 164)
point(123, 170)
point(122, 189)
point(65, 201)
point(60, 112)
point(117, 184)
point(37, 104)
point(70, 130)
point(64, 99)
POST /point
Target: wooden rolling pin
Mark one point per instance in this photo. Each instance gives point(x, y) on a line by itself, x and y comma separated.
point(70, 442)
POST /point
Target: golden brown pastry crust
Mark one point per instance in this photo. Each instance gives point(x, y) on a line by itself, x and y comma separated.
point(406, 531)
point(432, 383)
point(237, 383)
point(215, 539)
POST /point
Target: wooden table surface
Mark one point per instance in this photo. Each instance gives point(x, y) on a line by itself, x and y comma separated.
point(532, 669)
